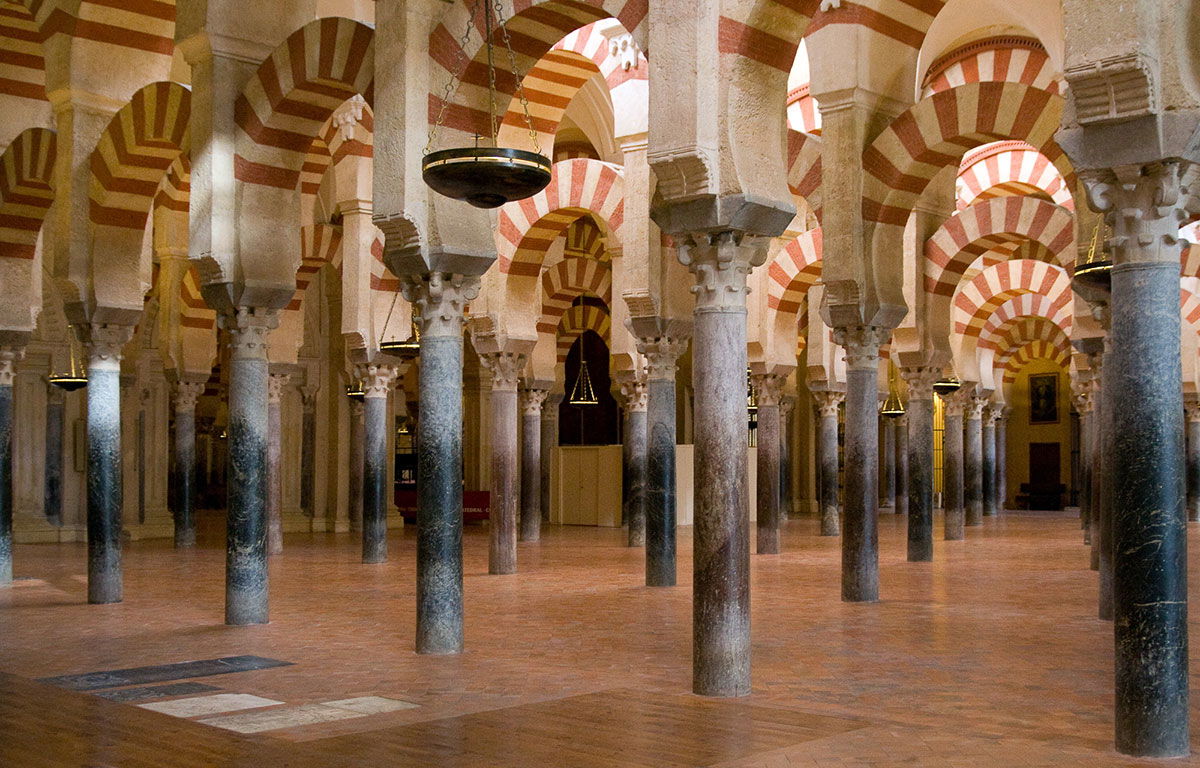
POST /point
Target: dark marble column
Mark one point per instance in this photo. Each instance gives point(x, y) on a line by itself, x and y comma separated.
point(1142, 410)
point(55, 420)
point(246, 589)
point(1002, 458)
point(357, 463)
point(505, 364)
point(860, 534)
point(828, 402)
point(721, 262)
point(104, 477)
point(768, 388)
point(549, 445)
point(919, 489)
point(900, 447)
point(633, 456)
point(953, 489)
point(275, 384)
point(1193, 460)
point(887, 493)
point(308, 453)
point(987, 462)
point(786, 404)
point(1101, 489)
point(377, 380)
point(532, 397)
point(1096, 359)
point(9, 356)
point(187, 393)
point(973, 459)
point(1081, 395)
point(661, 342)
point(439, 301)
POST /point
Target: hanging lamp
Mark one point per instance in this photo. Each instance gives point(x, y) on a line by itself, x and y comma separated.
point(405, 349)
point(947, 386)
point(75, 377)
point(1095, 270)
point(355, 393)
point(583, 393)
point(487, 176)
point(892, 406)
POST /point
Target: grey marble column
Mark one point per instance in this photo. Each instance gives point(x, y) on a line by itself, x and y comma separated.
point(1106, 420)
point(721, 262)
point(358, 439)
point(1002, 459)
point(953, 489)
point(1192, 465)
point(377, 380)
point(1099, 444)
point(9, 356)
point(549, 445)
point(275, 384)
point(1081, 396)
point(1142, 413)
point(919, 451)
point(887, 491)
point(187, 393)
point(973, 459)
point(633, 456)
point(661, 342)
point(987, 474)
point(104, 477)
point(505, 365)
point(308, 452)
point(768, 388)
point(246, 589)
point(900, 448)
point(860, 533)
point(828, 402)
point(532, 398)
point(787, 404)
point(55, 420)
point(439, 301)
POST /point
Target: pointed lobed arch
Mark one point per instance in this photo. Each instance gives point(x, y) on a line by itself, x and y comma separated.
point(26, 190)
point(577, 187)
point(578, 320)
point(979, 299)
point(795, 269)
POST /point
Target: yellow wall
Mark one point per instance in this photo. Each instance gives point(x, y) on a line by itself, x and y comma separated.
point(1021, 433)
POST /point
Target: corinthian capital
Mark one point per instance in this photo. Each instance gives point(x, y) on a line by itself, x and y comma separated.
point(104, 342)
point(920, 381)
point(768, 387)
point(532, 397)
point(440, 300)
point(862, 343)
point(187, 394)
point(721, 263)
point(828, 401)
point(973, 407)
point(9, 357)
point(1144, 207)
point(633, 390)
point(376, 380)
point(248, 329)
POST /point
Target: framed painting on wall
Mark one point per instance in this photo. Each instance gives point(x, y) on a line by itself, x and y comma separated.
point(1043, 398)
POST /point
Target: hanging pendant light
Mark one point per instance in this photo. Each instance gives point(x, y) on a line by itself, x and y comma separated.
point(75, 377)
point(947, 386)
point(583, 393)
point(405, 349)
point(355, 393)
point(892, 406)
point(1095, 270)
point(487, 176)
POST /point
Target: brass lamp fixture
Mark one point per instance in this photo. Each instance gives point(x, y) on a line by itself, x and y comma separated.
point(1095, 270)
point(892, 406)
point(405, 349)
point(75, 377)
point(947, 386)
point(355, 393)
point(487, 176)
point(583, 393)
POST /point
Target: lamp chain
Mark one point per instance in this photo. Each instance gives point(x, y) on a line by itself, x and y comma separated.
point(448, 91)
point(512, 59)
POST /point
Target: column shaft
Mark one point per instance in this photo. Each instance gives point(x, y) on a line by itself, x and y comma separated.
point(767, 485)
point(185, 468)
point(952, 471)
point(786, 405)
point(104, 481)
point(660, 481)
point(1108, 486)
point(54, 456)
point(358, 439)
point(1193, 464)
point(920, 463)
point(887, 428)
point(549, 444)
point(901, 451)
point(532, 402)
point(988, 464)
point(973, 464)
point(830, 522)
point(274, 477)
point(633, 473)
point(6, 489)
point(1001, 464)
point(375, 458)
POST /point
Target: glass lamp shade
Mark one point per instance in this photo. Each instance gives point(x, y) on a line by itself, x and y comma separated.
point(486, 177)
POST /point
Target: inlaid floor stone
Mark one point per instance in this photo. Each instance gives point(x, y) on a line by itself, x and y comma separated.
point(371, 705)
point(114, 678)
point(144, 693)
point(209, 705)
point(281, 717)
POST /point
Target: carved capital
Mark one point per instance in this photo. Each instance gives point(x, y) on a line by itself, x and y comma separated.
point(505, 368)
point(440, 300)
point(953, 403)
point(920, 381)
point(248, 329)
point(973, 407)
point(1191, 410)
point(187, 394)
point(275, 384)
point(375, 379)
point(532, 399)
point(862, 343)
point(1144, 208)
point(1081, 396)
point(786, 404)
point(994, 412)
point(349, 115)
point(661, 353)
point(633, 390)
point(104, 343)
point(828, 401)
point(768, 387)
point(9, 357)
point(721, 263)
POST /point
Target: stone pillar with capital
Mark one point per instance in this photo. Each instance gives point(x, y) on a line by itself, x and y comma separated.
point(549, 431)
point(860, 533)
point(275, 386)
point(10, 355)
point(505, 364)
point(828, 402)
point(987, 465)
point(953, 490)
point(247, 599)
point(1192, 412)
point(308, 452)
point(901, 474)
point(377, 380)
point(973, 458)
point(532, 398)
point(768, 388)
point(187, 394)
point(919, 461)
point(1002, 413)
point(1101, 487)
point(633, 455)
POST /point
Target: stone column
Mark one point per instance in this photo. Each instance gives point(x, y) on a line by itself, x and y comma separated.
point(439, 301)
point(186, 395)
point(377, 380)
point(1144, 207)
point(246, 590)
point(860, 535)
point(1192, 411)
point(787, 404)
point(633, 456)
point(827, 402)
point(104, 479)
point(549, 444)
point(533, 396)
point(973, 459)
point(505, 368)
point(901, 451)
point(919, 463)
point(767, 390)
point(55, 420)
point(661, 342)
point(988, 460)
point(1002, 458)
point(952, 466)
point(357, 462)
point(887, 430)
point(275, 384)
point(308, 452)
point(1081, 395)
point(9, 356)
point(1101, 488)
point(721, 262)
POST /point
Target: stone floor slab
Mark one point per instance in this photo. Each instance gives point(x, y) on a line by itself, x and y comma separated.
point(198, 706)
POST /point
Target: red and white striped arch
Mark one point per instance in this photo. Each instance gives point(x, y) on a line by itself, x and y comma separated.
point(578, 320)
point(1015, 332)
point(26, 190)
point(795, 269)
point(566, 281)
point(1189, 309)
point(804, 168)
point(1010, 59)
point(978, 300)
point(528, 227)
point(1012, 364)
point(990, 223)
point(1031, 305)
point(1010, 168)
point(22, 63)
point(175, 191)
point(320, 244)
point(194, 311)
point(802, 111)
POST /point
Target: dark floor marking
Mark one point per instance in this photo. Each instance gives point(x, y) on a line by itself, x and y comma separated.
point(133, 695)
point(115, 678)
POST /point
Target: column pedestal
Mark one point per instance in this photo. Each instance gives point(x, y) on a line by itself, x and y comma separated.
point(828, 402)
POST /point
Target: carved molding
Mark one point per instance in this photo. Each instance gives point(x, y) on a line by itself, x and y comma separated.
point(1144, 208)
point(862, 343)
point(440, 300)
point(828, 401)
point(187, 394)
point(9, 357)
point(721, 263)
point(682, 173)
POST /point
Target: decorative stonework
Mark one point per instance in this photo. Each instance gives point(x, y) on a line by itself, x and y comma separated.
point(505, 368)
point(349, 115)
point(973, 407)
point(994, 412)
point(830, 5)
point(440, 300)
point(682, 173)
point(532, 399)
point(248, 329)
point(920, 381)
point(828, 401)
point(9, 357)
point(1112, 89)
point(721, 263)
point(768, 388)
point(187, 394)
point(275, 384)
point(625, 50)
point(376, 380)
point(1144, 207)
point(661, 353)
point(634, 391)
point(1081, 396)
point(953, 403)
point(862, 343)
point(104, 342)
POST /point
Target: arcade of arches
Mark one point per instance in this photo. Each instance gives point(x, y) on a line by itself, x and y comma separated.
point(877, 322)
